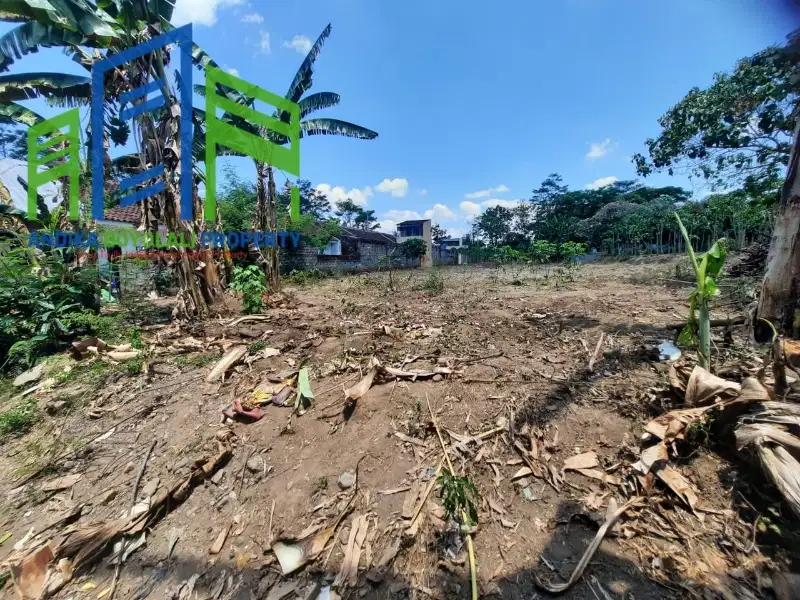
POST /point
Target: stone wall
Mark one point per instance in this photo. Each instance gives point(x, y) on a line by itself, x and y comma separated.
point(307, 257)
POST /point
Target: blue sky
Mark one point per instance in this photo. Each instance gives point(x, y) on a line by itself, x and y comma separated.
point(475, 104)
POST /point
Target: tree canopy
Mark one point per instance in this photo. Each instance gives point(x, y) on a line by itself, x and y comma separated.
point(737, 131)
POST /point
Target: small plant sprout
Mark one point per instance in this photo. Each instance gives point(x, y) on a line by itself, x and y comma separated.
point(250, 283)
point(459, 498)
point(706, 268)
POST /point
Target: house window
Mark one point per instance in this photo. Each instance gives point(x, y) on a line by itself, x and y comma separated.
point(410, 230)
point(334, 248)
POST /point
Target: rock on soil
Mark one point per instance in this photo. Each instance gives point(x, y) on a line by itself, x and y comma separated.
point(346, 480)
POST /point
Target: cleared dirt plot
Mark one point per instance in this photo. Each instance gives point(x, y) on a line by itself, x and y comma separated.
point(537, 384)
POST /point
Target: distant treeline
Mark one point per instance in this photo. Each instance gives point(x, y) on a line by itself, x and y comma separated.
point(624, 217)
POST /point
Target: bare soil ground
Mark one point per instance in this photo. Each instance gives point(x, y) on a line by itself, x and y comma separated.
point(525, 344)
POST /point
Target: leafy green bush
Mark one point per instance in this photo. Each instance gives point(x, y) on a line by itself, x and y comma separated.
point(543, 251)
point(40, 293)
point(250, 283)
point(569, 250)
point(413, 248)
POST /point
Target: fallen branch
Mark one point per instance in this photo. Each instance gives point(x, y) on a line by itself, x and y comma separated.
point(467, 361)
point(246, 318)
point(597, 349)
point(139, 475)
point(714, 323)
point(587, 556)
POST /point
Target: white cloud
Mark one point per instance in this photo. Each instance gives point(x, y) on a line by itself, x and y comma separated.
point(456, 232)
point(500, 202)
point(601, 183)
point(398, 186)
point(403, 215)
point(387, 226)
point(300, 43)
point(440, 212)
point(487, 192)
point(232, 71)
point(423, 192)
point(199, 12)
point(337, 193)
point(600, 149)
point(252, 18)
point(471, 209)
point(264, 43)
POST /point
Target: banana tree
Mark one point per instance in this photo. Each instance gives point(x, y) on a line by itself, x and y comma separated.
point(706, 269)
point(266, 193)
point(108, 27)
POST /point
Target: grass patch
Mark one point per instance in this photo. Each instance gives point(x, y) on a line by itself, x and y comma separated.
point(66, 370)
point(200, 359)
point(20, 418)
point(433, 282)
point(134, 365)
point(309, 276)
point(256, 347)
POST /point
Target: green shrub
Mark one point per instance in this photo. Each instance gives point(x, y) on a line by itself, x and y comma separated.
point(40, 292)
point(250, 283)
point(414, 248)
point(308, 276)
point(433, 282)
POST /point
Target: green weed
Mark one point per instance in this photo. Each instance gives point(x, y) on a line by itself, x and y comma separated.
point(433, 282)
point(20, 418)
point(256, 347)
point(459, 497)
point(195, 360)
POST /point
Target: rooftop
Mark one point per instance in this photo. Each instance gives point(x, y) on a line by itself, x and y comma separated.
point(368, 235)
point(417, 222)
point(128, 214)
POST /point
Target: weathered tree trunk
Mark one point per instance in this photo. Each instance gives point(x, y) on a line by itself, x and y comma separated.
point(780, 292)
point(273, 264)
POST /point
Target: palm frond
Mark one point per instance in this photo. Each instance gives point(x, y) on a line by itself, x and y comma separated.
point(26, 86)
point(302, 79)
point(317, 101)
point(26, 38)
point(152, 12)
point(79, 16)
point(335, 127)
point(80, 56)
point(201, 59)
point(16, 114)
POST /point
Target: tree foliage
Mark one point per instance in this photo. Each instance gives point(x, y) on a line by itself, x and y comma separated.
point(735, 132)
point(438, 233)
point(352, 215)
point(413, 249)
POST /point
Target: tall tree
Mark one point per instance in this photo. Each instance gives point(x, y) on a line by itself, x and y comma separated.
point(366, 220)
point(312, 202)
point(495, 223)
point(108, 28)
point(347, 211)
point(267, 197)
point(737, 131)
point(438, 233)
point(779, 302)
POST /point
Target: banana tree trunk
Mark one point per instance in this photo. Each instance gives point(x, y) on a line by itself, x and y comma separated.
point(273, 262)
point(780, 292)
point(192, 302)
